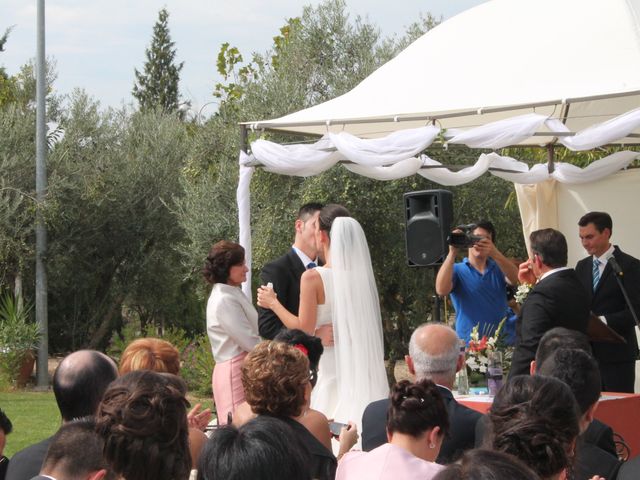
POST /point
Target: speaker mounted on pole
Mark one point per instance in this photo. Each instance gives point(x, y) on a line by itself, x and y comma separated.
point(428, 217)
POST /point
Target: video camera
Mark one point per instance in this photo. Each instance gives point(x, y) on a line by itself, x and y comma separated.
point(465, 238)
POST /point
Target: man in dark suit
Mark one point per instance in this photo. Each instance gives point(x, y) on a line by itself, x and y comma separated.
point(78, 385)
point(558, 299)
point(617, 361)
point(284, 273)
point(434, 353)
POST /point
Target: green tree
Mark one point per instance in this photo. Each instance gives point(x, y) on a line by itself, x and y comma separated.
point(157, 86)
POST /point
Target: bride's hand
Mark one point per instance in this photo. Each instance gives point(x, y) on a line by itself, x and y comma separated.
point(267, 297)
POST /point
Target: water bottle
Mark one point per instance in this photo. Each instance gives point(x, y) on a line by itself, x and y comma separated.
point(463, 381)
point(494, 372)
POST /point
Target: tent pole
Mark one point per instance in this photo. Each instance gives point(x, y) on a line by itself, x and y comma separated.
point(550, 158)
point(244, 145)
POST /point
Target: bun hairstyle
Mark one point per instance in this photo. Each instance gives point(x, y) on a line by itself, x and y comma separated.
point(416, 408)
point(222, 256)
point(535, 418)
point(329, 213)
point(143, 421)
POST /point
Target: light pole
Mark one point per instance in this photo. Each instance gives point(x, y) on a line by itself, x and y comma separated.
point(42, 369)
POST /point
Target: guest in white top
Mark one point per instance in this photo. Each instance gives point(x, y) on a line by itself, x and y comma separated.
point(417, 421)
point(232, 324)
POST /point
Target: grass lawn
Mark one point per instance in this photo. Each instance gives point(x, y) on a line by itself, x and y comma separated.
point(34, 416)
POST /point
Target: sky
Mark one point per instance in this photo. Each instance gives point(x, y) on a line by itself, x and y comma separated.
point(97, 43)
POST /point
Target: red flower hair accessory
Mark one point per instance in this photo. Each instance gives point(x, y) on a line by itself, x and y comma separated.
point(302, 348)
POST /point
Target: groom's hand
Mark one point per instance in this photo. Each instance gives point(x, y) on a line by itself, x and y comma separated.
point(325, 333)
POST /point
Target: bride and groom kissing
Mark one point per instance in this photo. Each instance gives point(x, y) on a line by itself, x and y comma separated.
point(337, 301)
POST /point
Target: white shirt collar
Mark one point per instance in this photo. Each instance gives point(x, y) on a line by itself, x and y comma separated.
point(605, 256)
point(551, 272)
point(302, 256)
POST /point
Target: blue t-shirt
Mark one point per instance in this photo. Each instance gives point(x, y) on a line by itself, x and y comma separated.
point(478, 298)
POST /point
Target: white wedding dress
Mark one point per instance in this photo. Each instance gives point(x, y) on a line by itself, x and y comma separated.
point(351, 374)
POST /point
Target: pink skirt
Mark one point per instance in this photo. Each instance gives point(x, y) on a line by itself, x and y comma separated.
point(227, 386)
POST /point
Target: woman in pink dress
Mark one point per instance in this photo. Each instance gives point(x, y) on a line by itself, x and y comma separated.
point(232, 324)
point(417, 421)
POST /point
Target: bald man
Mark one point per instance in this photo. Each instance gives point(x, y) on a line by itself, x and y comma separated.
point(434, 354)
point(78, 385)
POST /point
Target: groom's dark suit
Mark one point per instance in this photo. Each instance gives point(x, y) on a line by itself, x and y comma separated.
point(616, 360)
point(558, 300)
point(284, 273)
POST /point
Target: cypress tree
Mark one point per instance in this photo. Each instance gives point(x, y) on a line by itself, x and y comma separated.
point(157, 86)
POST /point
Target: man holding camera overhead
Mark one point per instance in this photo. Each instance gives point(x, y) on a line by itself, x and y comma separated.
point(477, 285)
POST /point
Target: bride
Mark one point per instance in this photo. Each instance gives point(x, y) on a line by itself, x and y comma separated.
point(342, 293)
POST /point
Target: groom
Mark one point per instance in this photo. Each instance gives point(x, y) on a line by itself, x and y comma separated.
point(285, 272)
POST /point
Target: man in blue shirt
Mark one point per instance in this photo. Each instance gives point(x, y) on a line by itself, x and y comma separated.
point(477, 284)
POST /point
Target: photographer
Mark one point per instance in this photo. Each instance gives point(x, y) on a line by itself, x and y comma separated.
point(477, 284)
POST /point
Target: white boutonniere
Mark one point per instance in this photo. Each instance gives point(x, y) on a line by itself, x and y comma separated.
point(522, 293)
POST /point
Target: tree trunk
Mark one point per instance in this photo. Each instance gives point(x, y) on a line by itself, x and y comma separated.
point(104, 330)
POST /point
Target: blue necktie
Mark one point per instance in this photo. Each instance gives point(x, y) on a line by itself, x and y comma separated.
point(311, 265)
point(596, 273)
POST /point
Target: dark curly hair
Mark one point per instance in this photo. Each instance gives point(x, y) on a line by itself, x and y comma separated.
point(274, 376)
point(312, 344)
point(222, 256)
point(415, 408)
point(143, 421)
point(536, 420)
point(329, 213)
point(482, 464)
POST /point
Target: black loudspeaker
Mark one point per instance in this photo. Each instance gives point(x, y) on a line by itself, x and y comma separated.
point(428, 216)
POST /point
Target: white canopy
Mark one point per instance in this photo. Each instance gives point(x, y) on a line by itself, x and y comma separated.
point(507, 72)
point(574, 60)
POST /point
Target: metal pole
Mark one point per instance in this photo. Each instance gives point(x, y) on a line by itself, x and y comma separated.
point(41, 190)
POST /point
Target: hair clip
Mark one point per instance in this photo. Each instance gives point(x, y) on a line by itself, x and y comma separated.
point(302, 348)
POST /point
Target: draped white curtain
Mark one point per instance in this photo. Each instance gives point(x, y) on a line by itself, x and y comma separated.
point(395, 156)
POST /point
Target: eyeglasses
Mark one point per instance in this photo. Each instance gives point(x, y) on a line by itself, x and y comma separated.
point(313, 377)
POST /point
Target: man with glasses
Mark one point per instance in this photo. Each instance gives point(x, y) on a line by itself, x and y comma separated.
point(557, 299)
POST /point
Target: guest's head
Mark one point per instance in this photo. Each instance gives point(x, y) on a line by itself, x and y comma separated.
point(75, 453)
point(305, 239)
point(535, 418)
point(264, 448)
point(434, 353)
point(150, 354)
point(559, 337)
point(309, 345)
point(595, 232)
point(488, 228)
point(5, 429)
point(417, 415)
point(480, 464)
point(143, 421)
point(275, 377)
point(549, 249)
point(225, 264)
point(580, 372)
point(80, 381)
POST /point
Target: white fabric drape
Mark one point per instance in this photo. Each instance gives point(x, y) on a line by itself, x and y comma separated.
point(244, 216)
point(394, 156)
point(502, 133)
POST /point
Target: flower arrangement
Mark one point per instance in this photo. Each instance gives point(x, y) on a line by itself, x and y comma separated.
point(479, 349)
point(522, 293)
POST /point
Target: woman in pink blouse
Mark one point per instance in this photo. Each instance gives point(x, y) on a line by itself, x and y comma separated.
point(232, 324)
point(417, 421)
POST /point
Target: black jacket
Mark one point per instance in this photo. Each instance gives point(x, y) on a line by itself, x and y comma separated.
point(559, 300)
point(284, 273)
point(462, 424)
